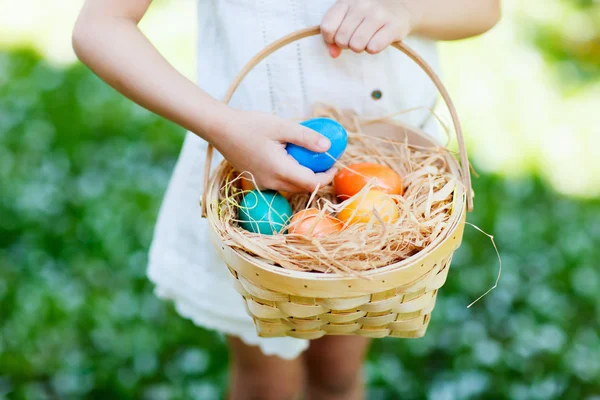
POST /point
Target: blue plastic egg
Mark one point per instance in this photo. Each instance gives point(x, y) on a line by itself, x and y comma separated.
point(321, 162)
point(266, 212)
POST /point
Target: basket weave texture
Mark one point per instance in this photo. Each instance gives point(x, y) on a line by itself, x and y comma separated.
point(396, 300)
point(402, 312)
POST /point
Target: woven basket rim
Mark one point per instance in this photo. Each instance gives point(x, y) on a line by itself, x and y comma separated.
point(376, 272)
point(459, 214)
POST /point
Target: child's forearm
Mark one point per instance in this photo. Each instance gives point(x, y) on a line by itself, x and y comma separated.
point(116, 50)
point(453, 19)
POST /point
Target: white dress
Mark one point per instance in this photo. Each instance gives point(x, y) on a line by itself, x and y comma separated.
point(183, 264)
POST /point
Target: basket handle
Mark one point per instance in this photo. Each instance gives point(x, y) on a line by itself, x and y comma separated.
point(307, 32)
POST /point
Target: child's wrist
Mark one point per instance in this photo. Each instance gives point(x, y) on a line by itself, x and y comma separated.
point(215, 126)
point(415, 10)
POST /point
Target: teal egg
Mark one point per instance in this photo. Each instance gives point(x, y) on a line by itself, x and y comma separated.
point(266, 212)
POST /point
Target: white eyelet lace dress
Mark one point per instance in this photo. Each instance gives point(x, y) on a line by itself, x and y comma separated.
point(183, 264)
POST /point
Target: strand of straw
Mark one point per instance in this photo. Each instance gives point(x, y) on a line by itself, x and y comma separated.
point(499, 264)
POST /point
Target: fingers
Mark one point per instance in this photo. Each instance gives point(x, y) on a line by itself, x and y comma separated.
point(302, 179)
point(290, 188)
point(384, 37)
point(289, 176)
point(274, 183)
point(365, 25)
point(325, 178)
point(334, 51)
point(364, 33)
point(304, 137)
point(354, 17)
point(332, 21)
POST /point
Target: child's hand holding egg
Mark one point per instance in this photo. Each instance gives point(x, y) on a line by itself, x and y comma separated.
point(268, 212)
point(321, 162)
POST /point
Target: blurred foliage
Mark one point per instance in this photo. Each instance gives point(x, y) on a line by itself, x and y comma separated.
point(569, 38)
point(82, 174)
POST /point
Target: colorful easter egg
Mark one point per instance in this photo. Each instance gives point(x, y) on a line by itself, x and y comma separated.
point(321, 162)
point(266, 212)
point(360, 209)
point(312, 222)
point(352, 179)
point(246, 184)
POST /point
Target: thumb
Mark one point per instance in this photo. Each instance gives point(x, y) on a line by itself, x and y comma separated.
point(307, 138)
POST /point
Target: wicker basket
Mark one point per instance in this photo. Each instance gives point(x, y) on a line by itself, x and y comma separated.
point(396, 300)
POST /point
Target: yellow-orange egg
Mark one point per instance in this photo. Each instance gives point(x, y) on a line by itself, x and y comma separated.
point(247, 185)
point(360, 209)
point(354, 178)
point(311, 222)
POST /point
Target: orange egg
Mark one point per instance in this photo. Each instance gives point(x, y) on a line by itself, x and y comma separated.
point(248, 185)
point(353, 178)
point(311, 222)
point(360, 209)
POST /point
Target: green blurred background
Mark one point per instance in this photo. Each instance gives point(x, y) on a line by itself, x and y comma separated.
point(83, 171)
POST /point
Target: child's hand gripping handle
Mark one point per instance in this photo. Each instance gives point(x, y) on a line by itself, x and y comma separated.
point(464, 160)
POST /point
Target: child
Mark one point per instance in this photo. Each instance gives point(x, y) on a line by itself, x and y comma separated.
point(183, 264)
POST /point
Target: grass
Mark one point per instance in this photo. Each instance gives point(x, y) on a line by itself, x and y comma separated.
point(82, 173)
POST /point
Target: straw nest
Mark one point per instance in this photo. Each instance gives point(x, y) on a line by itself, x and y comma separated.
point(424, 211)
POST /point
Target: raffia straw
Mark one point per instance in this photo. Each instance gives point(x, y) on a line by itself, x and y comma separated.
point(499, 264)
point(424, 210)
